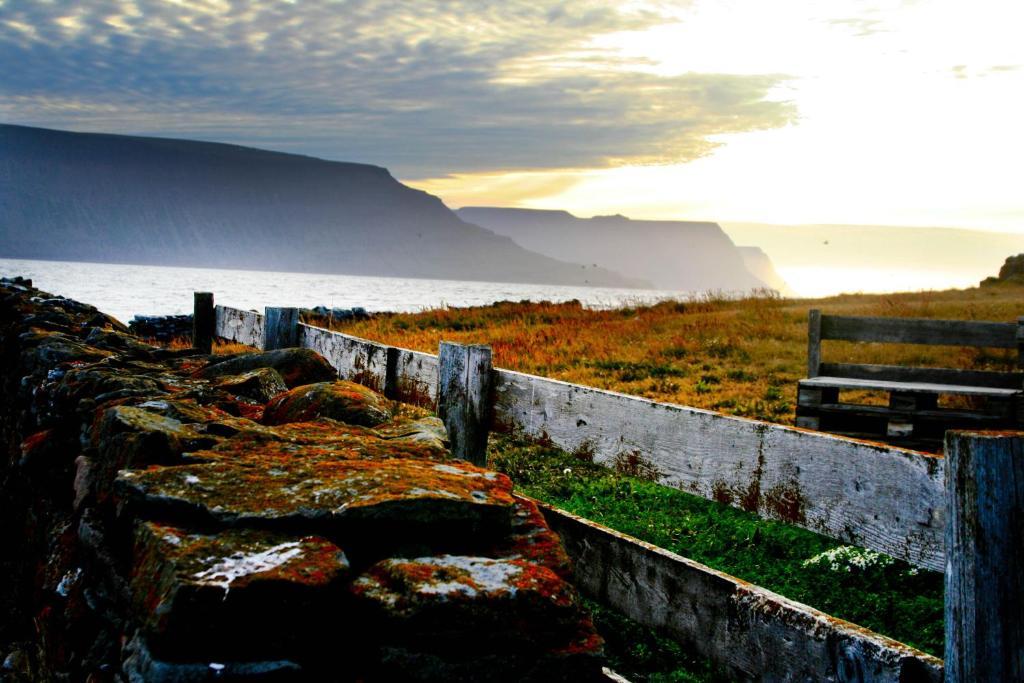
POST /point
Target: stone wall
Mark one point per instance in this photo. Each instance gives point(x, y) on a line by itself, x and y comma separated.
point(169, 516)
point(162, 328)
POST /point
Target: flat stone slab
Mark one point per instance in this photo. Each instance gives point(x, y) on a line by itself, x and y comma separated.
point(448, 617)
point(228, 595)
point(296, 366)
point(465, 603)
point(261, 384)
point(310, 441)
point(338, 497)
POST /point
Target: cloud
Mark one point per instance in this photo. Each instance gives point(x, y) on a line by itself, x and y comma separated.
point(860, 26)
point(425, 88)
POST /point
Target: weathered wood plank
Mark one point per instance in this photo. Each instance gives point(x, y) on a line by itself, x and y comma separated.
point(282, 328)
point(204, 320)
point(355, 359)
point(920, 331)
point(899, 373)
point(871, 495)
point(463, 399)
point(905, 387)
point(243, 327)
point(749, 632)
point(1020, 342)
point(985, 566)
point(415, 377)
point(939, 414)
point(813, 342)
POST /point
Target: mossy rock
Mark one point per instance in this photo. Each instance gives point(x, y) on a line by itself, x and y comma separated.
point(261, 384)
point(341, 400)
point(226, 596)
point(373, 503)
point(448, 615)
point(425, 430)
point(296, 366)
point(533, 540)
point(304, 441)
point(120, 342)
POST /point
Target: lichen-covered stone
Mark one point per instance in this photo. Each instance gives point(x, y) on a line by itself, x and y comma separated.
point(340, 400)
point(426, 430)
point(261, 384)
point(132, 437)
point(44, 349)
point(102, 383)
point(115, 340)
point(184, 410)
point(227, 595)
point(533, 540)
point(127, 436)
point(296, 366)
point(391, 500)
point(444, 617)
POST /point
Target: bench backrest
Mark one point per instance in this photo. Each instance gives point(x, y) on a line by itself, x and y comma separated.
point(915, 331)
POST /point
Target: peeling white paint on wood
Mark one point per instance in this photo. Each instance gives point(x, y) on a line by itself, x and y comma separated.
point(355, 359)
point(750, 632)
point(871, 495)
point(243, 327)
point(415, 377)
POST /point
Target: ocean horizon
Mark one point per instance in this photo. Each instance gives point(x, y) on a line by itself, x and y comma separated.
point(124, 290)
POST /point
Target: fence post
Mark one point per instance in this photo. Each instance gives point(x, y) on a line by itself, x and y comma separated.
point(1020, 342)
point(203, 321)
point(464, 398)
point(391, 374)
point(984, 608)
point(281, 328)
point(813, 342)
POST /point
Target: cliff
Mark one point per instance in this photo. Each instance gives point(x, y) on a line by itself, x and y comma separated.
point(176, 517)
point(677, 255)
point(119, 199)
point(761, 267)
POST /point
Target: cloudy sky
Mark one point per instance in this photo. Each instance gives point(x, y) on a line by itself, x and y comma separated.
point(899, 113)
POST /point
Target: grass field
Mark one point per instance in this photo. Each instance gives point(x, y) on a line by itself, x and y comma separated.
point(738, 357)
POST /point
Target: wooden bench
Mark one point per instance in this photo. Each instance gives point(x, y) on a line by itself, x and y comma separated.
point(913, 411)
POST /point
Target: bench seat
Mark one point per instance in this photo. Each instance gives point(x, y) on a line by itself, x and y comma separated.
point(906, 387)
point(913, 416)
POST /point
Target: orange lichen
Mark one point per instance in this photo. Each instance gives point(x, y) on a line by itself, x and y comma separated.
point(344, 401)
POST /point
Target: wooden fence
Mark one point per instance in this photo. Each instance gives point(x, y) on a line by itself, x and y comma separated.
point(871, 495)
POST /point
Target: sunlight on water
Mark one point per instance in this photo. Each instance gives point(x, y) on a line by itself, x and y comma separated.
point(818, 281)
point(124, 291)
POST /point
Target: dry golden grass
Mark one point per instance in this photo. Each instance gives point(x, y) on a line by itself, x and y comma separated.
point(740, 357)
point(220, 347)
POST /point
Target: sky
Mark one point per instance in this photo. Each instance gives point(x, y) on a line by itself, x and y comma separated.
point(782, 112)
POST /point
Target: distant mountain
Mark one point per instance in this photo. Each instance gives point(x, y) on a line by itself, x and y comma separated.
point(118, 199)
point(821, 260)
point(671, 254)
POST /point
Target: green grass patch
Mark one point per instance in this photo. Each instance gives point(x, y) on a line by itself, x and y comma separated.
point(869, 589)
point(644, 656)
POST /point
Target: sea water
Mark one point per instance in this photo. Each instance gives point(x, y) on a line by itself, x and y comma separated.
point(125, 290)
